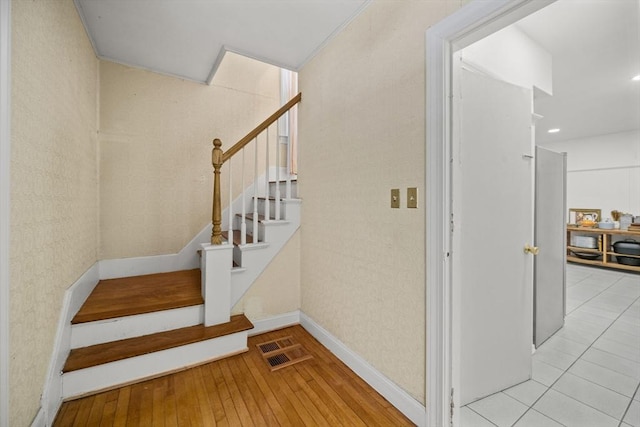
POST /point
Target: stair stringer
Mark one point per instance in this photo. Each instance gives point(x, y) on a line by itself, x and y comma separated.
point(256, 259)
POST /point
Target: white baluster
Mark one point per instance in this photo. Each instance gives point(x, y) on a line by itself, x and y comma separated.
point(267, 214)
point(243, 224)
point(255, 192)
point(278, 174)
point(288, 193)
point(230, 208)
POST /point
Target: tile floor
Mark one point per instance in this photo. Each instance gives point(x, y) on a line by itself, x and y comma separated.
point(588, 373)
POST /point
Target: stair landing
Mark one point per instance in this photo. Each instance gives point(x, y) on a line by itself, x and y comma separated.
point(127, 296)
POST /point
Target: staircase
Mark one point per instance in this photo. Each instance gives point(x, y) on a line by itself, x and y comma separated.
point(134, 328)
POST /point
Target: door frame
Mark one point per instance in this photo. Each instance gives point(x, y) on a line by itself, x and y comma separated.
point(464, 27)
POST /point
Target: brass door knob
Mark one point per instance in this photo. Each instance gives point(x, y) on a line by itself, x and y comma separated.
point(533, 250)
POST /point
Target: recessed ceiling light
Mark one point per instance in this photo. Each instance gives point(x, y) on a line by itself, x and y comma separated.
point(555, 130)
point(636, 78)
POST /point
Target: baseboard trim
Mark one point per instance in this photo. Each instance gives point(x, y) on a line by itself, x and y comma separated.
point(399, 398)
point(274, 323)
point(186, 259)
point(74, 297)
point(39, 420)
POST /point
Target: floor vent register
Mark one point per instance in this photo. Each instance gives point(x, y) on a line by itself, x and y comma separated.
point(283, 352)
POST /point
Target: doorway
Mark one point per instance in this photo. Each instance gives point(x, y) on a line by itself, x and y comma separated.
point(459, 30)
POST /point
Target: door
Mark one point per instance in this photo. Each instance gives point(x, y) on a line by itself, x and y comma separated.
point(550, 234)
point(492, 175)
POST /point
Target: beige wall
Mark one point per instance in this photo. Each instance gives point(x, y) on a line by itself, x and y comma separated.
point(362, 133)
point(54, 207)
point(155, 149)
point(277, 290)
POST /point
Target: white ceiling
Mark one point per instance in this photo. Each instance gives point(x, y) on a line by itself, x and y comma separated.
point(595, 46)
point(187, 38)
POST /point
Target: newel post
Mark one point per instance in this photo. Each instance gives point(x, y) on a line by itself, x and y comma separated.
point(216, 217)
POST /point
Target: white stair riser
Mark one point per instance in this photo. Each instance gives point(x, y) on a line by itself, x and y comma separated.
point(238, 222)
point(283, 189)
point(91, 333)
point(272, 208)
point(255, 260)
point(77, 383)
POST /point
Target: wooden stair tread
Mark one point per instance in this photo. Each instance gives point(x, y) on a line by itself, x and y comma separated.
point(128, 296)
point(236, 238)
point(99, 354)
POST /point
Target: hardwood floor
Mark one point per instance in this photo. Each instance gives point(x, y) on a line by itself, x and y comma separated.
point(242, 391)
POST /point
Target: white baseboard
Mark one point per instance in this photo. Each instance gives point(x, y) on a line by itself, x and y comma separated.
point(74, 297)
point(186, 259)
point(399, 398)
point(274, 323)
point(39, 420)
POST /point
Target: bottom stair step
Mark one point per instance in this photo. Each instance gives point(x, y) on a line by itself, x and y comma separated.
point(101, 366)
point(86, 357)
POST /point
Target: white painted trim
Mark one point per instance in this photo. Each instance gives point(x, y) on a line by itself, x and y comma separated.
point(186, 259)
point(74, 297)
point(120, 328)
point(399, 398)
point(77, 383)
point(469, 24)
point(39, 420)
point(215, 268)
point(275, 322)
point(5, 196)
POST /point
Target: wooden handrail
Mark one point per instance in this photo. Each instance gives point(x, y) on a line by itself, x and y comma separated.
point(260, 128)
point(218, 157)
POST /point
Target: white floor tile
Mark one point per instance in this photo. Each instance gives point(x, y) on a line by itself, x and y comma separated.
point(545, 373)
point(527, 392)
point(633, 414)
point(611, 361)
point(564, 345)
point(468, 418)
point(500, 409)
point(572, 413)
point(587, 310)
point(583, 291)
point(577, 336)
point(629, 351)
point(604, 377)
point(625, 327)
point(584, 320)
point(554, 358)
point(629, 290)
point(598, 397)
point(535, 419)
point(622, 337)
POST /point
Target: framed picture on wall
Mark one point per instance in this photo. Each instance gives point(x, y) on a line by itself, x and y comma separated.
point(576, 216)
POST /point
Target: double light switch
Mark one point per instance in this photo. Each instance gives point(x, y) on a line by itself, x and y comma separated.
point(412, 198)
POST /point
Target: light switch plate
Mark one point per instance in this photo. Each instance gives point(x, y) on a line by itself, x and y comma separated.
point(395, 198)
point(412, 197)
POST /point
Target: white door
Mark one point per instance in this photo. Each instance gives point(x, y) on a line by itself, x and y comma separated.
point(492, 175)
point(551, 236)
